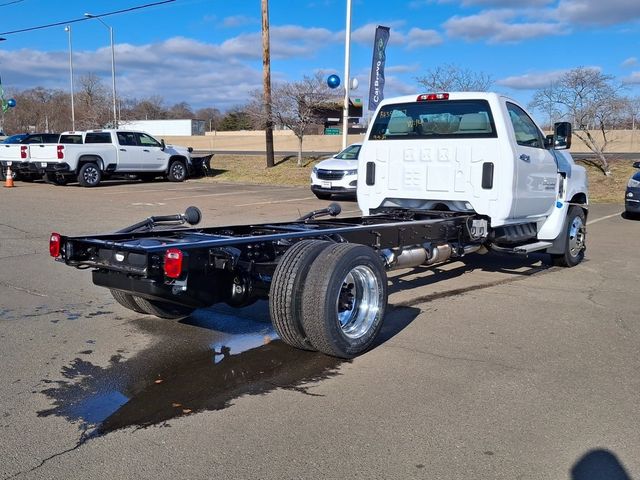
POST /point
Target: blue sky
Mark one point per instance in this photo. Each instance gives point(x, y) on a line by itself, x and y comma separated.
point(208, 52)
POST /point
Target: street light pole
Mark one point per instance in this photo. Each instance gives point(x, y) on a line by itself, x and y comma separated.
point(347, 80)
point(113, 66)
point(73, 111)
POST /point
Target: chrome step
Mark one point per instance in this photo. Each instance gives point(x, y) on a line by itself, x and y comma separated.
point(524, 249)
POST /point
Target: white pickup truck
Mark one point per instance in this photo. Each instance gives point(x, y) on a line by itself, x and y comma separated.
point(16, 156)
point(92, 156)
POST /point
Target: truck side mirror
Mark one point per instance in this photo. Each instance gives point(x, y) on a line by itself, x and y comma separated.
point(162, 144)
point(636, 164)
point(562, 135)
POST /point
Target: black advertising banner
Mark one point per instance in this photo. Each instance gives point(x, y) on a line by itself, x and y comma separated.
point(376, 86)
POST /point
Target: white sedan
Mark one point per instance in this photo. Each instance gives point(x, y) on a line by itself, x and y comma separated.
point(337, 175)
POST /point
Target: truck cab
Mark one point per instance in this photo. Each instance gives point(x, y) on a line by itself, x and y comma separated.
point(474, 152)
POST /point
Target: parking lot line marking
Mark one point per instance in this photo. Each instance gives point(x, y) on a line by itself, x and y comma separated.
point(275, 201)
point(590, 222)
point(130, 190)
point(223, 194)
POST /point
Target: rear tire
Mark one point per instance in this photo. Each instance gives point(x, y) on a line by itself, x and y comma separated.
point(89, 175)
point(163, 309)
point(127, 301)
point(344, 300)
point(177, 171)
point(285, 296)
point(56, 179)
point(575, 239)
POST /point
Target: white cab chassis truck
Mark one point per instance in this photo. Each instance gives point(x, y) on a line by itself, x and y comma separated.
point(95, 155)
point(441, 176)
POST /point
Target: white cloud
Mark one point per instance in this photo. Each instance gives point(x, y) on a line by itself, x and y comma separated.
point(287, 41)
point(531, 81)
point(239, 21)
point(366, 33)
point(497, 26)
point(597, 12)
point(630, 62)
point(633, 79)
point(178, 69)
point(418, 37)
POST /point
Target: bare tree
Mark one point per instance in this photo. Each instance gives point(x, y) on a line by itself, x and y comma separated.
point(39, 109)
point(452, 78)
point(211, 115)
point(93, 106)
point(150, 108)
point(591, 101)
point(295, 105)
point(181, 110)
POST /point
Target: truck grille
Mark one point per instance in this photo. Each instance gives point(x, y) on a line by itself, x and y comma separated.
point(330, 174)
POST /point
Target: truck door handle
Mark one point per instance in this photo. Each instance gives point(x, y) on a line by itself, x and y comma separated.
point(145, 150)
point(524, 157)
point(123, 149)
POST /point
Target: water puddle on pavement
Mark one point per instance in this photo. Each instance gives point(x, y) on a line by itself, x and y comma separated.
point(202, 363)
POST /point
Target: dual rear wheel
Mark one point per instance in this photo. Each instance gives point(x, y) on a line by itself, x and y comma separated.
point(329, 297)
point(151, 307)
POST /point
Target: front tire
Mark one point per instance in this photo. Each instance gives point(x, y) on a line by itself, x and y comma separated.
point(575, 239)
point(285, 295)
point(163, 309)
point(177, 171)
point(89, 175)
point(344, 300)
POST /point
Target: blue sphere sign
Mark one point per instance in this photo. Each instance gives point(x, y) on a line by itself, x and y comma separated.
point(11, 102)
point(333, 81)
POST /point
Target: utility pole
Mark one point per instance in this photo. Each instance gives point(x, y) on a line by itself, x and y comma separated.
point(347, 79)
point(266, 80)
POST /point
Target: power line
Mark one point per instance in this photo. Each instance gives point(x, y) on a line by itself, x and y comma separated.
point(10, 3)
point(67, 22)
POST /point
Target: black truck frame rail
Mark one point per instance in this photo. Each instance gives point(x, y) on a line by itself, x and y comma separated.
point(234, 264)
point(325, 278)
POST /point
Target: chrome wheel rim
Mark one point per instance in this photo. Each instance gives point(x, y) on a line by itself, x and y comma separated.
point(90, 175)
point(577, 234)
point(177, 170)
point(358, 302)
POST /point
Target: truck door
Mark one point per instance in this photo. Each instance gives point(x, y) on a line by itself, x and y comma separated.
point(535, 167)
point(128, 152)
point(152, 157)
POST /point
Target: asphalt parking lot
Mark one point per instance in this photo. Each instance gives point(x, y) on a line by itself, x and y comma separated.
point(489, 368)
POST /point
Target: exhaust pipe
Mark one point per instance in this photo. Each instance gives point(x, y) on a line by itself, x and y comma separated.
point(426, 254)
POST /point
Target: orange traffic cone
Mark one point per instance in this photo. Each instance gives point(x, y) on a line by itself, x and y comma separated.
point(9, 181)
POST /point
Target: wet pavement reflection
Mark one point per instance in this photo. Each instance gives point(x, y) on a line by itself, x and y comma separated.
point(202, 363)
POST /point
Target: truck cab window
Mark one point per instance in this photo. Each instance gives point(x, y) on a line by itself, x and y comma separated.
point(147, 140)
point(97, 137)
point(526, 132)
point(127, 138)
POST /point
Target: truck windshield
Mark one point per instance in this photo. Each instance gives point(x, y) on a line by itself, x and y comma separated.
point(434, 119)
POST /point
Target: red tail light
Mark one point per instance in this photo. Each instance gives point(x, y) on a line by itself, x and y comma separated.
point(60, 152)
point(173, 263)
point(427, 97)
point(54, 245)
point(23, 151)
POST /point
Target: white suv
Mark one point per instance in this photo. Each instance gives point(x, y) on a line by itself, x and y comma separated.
point(337, 175)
